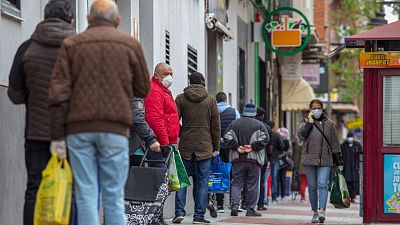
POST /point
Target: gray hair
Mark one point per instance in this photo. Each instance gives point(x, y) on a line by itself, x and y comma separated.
point(104, 9)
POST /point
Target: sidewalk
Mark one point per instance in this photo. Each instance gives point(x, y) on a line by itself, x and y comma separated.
point(286, 212)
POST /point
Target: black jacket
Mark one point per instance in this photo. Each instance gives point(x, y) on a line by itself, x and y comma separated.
point(350, 159)
point(278, 146)
point(29, 83)
point(142, 136)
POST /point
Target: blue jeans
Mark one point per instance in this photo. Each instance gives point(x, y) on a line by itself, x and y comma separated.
point(99, 161)
point(203, 169)
point(274, 173)
point(317, 180)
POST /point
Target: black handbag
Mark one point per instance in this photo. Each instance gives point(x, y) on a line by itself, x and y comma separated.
point(144, 183)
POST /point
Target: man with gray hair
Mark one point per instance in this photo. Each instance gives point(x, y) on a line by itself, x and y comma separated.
point(95, 79)
point(29, 83)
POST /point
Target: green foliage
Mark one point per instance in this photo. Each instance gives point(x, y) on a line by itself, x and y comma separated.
point(350, 18)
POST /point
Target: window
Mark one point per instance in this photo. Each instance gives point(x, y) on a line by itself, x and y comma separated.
point(167, 47)
point(391, 111)
point(192, 60)
point(11, 8)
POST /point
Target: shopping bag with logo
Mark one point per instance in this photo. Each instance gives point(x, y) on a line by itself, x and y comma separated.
point(177, 175)
point(340, 197)
point(219, 180)
point(53, 200)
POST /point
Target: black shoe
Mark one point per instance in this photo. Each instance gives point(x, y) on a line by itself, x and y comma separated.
point(200, 221)
point(261, 208)
point(220, 209)
point(234, 211)
point(253, 213)
point(213, 212)
point(178, 219)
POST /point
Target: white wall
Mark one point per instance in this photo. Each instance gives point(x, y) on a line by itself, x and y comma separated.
point(184, 19)
point(245, 11)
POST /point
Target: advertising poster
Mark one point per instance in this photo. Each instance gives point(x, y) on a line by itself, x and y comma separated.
point(391, 188)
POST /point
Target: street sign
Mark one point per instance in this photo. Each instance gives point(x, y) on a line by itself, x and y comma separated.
point(380, 59)
point(286, 34)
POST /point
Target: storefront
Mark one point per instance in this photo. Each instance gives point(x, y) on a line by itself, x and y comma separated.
point(381, 66)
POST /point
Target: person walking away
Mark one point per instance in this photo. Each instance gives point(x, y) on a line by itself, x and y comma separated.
point(29, 82)
point(199, 139)
point(297, 145)
point(227, 114)
point(351, 150)
point(276, 162)
point(142, 136)
point(247, 138)
point(320, 153)
point(95, 77)
point(283, 163)
point(261, 201)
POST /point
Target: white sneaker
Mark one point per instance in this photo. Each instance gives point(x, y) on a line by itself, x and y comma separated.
point(315, 218)
point(321, 216)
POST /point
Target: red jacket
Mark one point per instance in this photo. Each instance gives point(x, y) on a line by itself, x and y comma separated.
point(162, 114)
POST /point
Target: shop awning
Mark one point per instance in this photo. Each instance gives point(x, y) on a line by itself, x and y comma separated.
point(386, 32)
point(344, 107)
point(296, 95)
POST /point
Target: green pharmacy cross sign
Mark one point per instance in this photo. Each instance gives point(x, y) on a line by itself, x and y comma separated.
point(286, 34)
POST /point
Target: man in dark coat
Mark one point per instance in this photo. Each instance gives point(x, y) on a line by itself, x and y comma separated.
point(275, 160)
point(247, 138)
point(199, 139)
point(28, 84)
point(351, 150)
point(261, 117)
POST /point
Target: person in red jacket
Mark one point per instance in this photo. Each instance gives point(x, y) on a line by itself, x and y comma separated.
point(161, 112)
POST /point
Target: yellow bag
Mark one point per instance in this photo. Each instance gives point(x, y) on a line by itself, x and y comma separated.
point(53, 200)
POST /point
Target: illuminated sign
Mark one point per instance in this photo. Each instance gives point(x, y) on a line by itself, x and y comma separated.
point(380, 60)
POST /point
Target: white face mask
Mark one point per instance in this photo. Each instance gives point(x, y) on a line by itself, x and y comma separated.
point(350, 140)
point(167, 81)
point(316, 113)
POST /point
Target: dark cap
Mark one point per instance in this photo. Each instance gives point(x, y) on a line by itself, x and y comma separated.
point(197, 78)
point(61, 9)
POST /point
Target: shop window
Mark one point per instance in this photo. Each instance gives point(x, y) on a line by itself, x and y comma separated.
point(11, 8)
point(167, 47)
point(192, 60)
point(391, 111)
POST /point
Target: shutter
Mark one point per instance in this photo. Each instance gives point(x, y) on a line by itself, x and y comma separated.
point(391, 111)
point(167, 47)
point(192, 60)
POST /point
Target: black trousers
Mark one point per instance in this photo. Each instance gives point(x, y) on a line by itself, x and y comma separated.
point(282, 182)
point(37, 155)
point(262, 187)
point(354, 188)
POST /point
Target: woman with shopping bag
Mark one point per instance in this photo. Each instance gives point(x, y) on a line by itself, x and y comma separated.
point(320, 151)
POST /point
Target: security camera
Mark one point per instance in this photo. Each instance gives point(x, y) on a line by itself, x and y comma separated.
point(223, 29)
point(210, 21)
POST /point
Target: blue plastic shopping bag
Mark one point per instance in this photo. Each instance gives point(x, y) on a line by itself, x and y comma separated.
point(219, 180)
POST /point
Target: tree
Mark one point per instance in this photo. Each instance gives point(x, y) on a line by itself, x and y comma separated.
point(349, 17)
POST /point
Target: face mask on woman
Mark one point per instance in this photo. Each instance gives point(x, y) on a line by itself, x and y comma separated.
point(167, 81)
point(316, 113)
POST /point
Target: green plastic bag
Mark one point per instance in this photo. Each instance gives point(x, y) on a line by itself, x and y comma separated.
point(177, 176)
point(340, 197)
